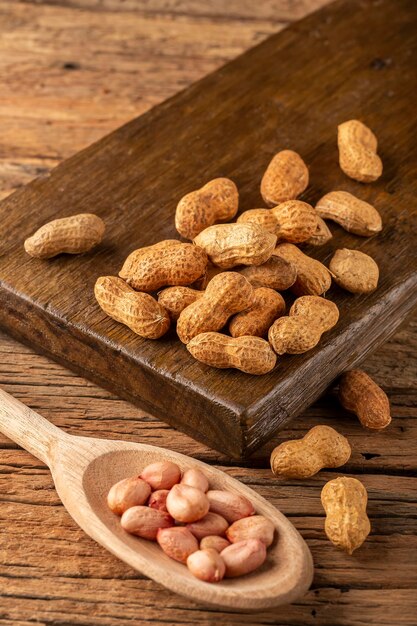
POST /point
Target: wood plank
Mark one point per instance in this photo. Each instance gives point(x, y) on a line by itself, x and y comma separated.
point(81, 408)
point(235, 414)
point(55, 561)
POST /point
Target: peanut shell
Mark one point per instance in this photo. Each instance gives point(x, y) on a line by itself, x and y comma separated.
point(354, 215)
point(139, 311)
point(285, 178)
point(354, 271)
point(251, 355)
point(216, 201)
point(267, 306)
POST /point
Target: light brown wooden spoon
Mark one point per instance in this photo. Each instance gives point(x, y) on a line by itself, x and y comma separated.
point(84, 469)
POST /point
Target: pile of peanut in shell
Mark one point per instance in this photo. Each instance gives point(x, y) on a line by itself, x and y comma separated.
point(214, 532)
point(223, 290)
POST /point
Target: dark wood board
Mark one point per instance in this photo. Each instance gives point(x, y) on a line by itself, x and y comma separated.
point(353, 59)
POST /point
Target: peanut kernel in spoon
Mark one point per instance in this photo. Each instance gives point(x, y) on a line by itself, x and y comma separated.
point(162, 475)
point(187, 504)
point(206, 565)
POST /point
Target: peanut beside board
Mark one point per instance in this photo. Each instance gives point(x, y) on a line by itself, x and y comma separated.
point(217, 201)
point(357, 152)
point(361, 395)
point(347, 525)
point(139, 311)
point(321, 447)
point(285, 178)
point(73, 235)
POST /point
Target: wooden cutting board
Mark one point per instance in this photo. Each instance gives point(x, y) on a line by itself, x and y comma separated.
point(353, 59)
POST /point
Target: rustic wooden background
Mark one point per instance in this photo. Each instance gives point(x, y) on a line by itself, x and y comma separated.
point(71, 71)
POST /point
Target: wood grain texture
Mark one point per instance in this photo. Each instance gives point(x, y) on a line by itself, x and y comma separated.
point(49, 569)
point(246, 106)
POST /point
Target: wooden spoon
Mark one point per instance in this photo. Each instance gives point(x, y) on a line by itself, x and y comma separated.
point(84, 469)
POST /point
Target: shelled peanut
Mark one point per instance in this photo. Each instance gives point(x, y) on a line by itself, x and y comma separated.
point(214, 532)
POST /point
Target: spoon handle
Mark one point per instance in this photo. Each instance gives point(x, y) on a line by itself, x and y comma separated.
point(27, 428)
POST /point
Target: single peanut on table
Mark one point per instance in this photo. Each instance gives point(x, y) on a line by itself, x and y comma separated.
point(254, 527)
point(285, 178)
point(139, 311)
point(309, 318)
point(165, 263)
point(177, 542)
point(313, 278)
point(358, 151)
point(226, 294)
point(229, 245)
point(361, 395)
point(293, 221)
point(251, 355)
point(176, 299)
point(354, 215)
point(71, 235)
point(275, 273)
point(347, 525)
point(321, 447)
point(127, 493)
point(354, 271)
point(216, 201)
point(267, 306)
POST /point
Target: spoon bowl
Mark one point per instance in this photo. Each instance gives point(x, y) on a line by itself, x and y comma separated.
point(85, 468)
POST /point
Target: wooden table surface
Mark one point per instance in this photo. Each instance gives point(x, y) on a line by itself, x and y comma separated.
point(72, 71)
